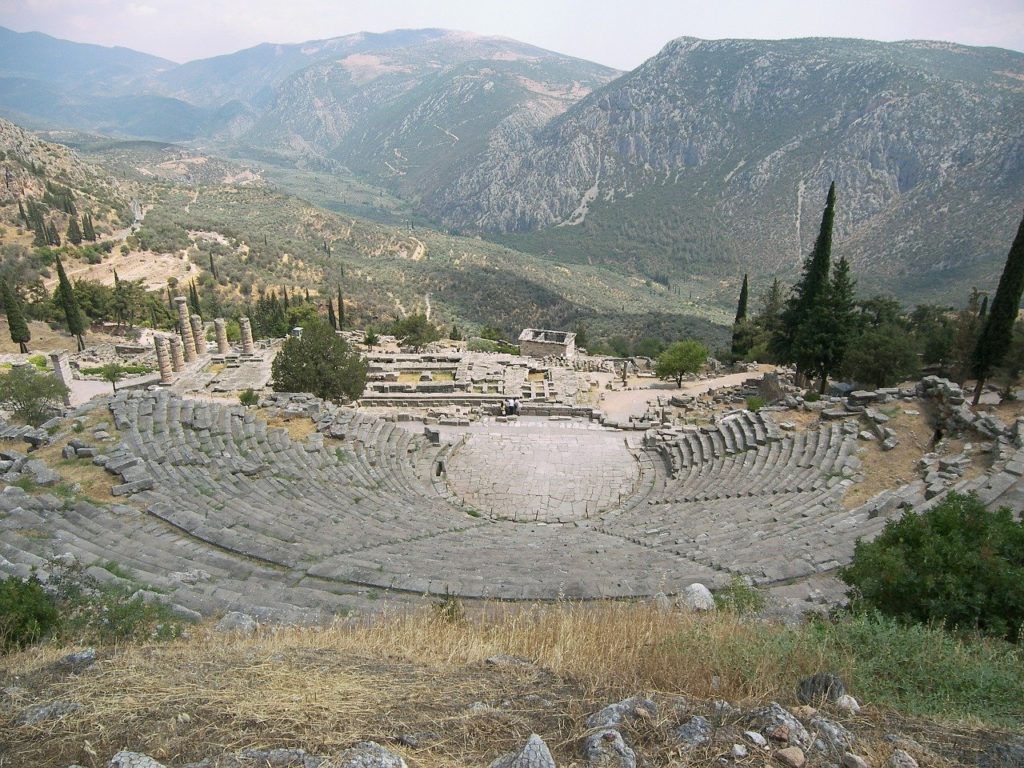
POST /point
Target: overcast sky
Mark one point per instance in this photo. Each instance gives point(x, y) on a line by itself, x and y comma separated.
point(619, 33)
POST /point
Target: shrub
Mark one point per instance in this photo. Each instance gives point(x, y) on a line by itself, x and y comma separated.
point(681, 358)
point(755, 403)
point(31, 396)
point(810, 396)
point(39, 361)
point(739, 597)
point(248, 398)
point(320, 362)
point(958, 563)
point(27, 613)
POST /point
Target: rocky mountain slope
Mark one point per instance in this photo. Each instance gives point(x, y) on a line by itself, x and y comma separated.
point(730, 145)
point(36, 171)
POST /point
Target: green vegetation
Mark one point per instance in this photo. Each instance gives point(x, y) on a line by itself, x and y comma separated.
point(69, 304)
point(415, 331)
point(997, 330)
point(739, 597)
point(248, 397)
point(30, 395)
point(320, 362)
point(681, 358)
point(957, 564)
point(755, 403)
point(132, 369)
point(20, 333)
point(27, 613)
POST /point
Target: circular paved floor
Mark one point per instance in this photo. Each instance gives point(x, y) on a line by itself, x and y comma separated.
point(542, 475)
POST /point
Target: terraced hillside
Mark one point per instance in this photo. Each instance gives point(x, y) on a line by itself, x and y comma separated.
point(219, 511)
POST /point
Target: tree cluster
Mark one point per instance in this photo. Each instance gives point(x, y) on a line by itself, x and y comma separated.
point(319, 361)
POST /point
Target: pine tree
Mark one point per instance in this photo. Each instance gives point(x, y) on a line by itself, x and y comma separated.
point(839, 321)
point(997, 333)
point(20, 333)
point(68, 302)
point(341, 310)
point(74, 233)
point(331, 319)
point(740, 321)
point(801, 339)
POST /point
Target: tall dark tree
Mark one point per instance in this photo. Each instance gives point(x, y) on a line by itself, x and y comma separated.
point(20, 333)
point(997, 333)
point(984, 307)
point(52, 238)
point(213, 268)
point(331, 319)
point(88, 231)
point(22, 214)
point(69, 303)
point(193, 299)
point(839, 323)
point(74, 232)
point(739, 338)
point(801, 336)
point(284, 298)
point(341, 310)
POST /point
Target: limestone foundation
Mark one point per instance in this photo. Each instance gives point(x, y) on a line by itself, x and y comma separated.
point(62, 368)
point(220, 327)
point(197, 335)
point(177, 356)
point(163, 360)
point(248, 348)
point(186, 328)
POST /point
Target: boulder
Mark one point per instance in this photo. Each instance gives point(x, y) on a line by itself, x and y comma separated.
point(534, 755)
point(133, 760)
point(607, 749)
point(697, 597)
point(773, 721)
point(368, 754)
point(236, 622)
point(616, 714)
point(693, 733)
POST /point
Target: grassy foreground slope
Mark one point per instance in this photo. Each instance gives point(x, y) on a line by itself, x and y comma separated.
point(426, 673)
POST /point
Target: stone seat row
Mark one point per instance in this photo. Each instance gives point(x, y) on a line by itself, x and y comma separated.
point(188, 573)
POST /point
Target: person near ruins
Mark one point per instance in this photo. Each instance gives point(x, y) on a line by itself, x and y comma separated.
point(504, 408)
point(515, 407)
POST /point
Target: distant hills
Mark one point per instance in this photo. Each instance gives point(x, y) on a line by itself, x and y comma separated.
point(709, 160)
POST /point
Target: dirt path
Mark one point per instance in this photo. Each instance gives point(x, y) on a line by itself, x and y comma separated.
point(634, 402)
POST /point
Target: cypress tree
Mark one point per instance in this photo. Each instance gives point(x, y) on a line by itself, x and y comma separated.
point(984, 307)
point(741, 305)
point(330, 315)
point(88, 231)
point(997, 333)
point(23, 215)
point(67, 300)
point(341, 310)
point(74, 233)
point(213, 268)
point(170, 301)
point(800, 338)
point(193, 299)
point(41, 240)
point(20, 333)
point(284, 298)
point(52, 238)
point(740, 321)
point(307, 295)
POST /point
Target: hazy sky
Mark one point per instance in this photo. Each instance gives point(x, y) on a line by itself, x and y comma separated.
point(619, 33)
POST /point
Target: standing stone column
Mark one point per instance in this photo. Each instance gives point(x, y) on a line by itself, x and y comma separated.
point(248, 348)
point(62, 368)
point(186, 328)
point(163, 360)
point(197, 335)
point(177, 357)
point(221, 329)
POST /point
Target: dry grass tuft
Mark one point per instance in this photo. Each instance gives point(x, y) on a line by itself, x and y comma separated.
point(297, 427)
point(416, 673)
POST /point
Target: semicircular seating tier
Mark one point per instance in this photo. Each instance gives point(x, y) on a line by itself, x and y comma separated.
point(229, 513)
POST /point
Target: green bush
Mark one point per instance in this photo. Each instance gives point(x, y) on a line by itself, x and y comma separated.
point(30, 395)
point(739, 597)
point(39, 361)
point(27, 613)
point(810, 396)
point(957, 564)
point(248, 398)
point(755, 403)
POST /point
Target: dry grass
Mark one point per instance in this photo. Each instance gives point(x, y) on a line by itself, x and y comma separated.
point(325, 689)
point(297, 427)
point(891, 469)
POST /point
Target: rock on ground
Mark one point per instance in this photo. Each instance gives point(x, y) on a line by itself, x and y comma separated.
point(534, 755)
point(607, 749)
